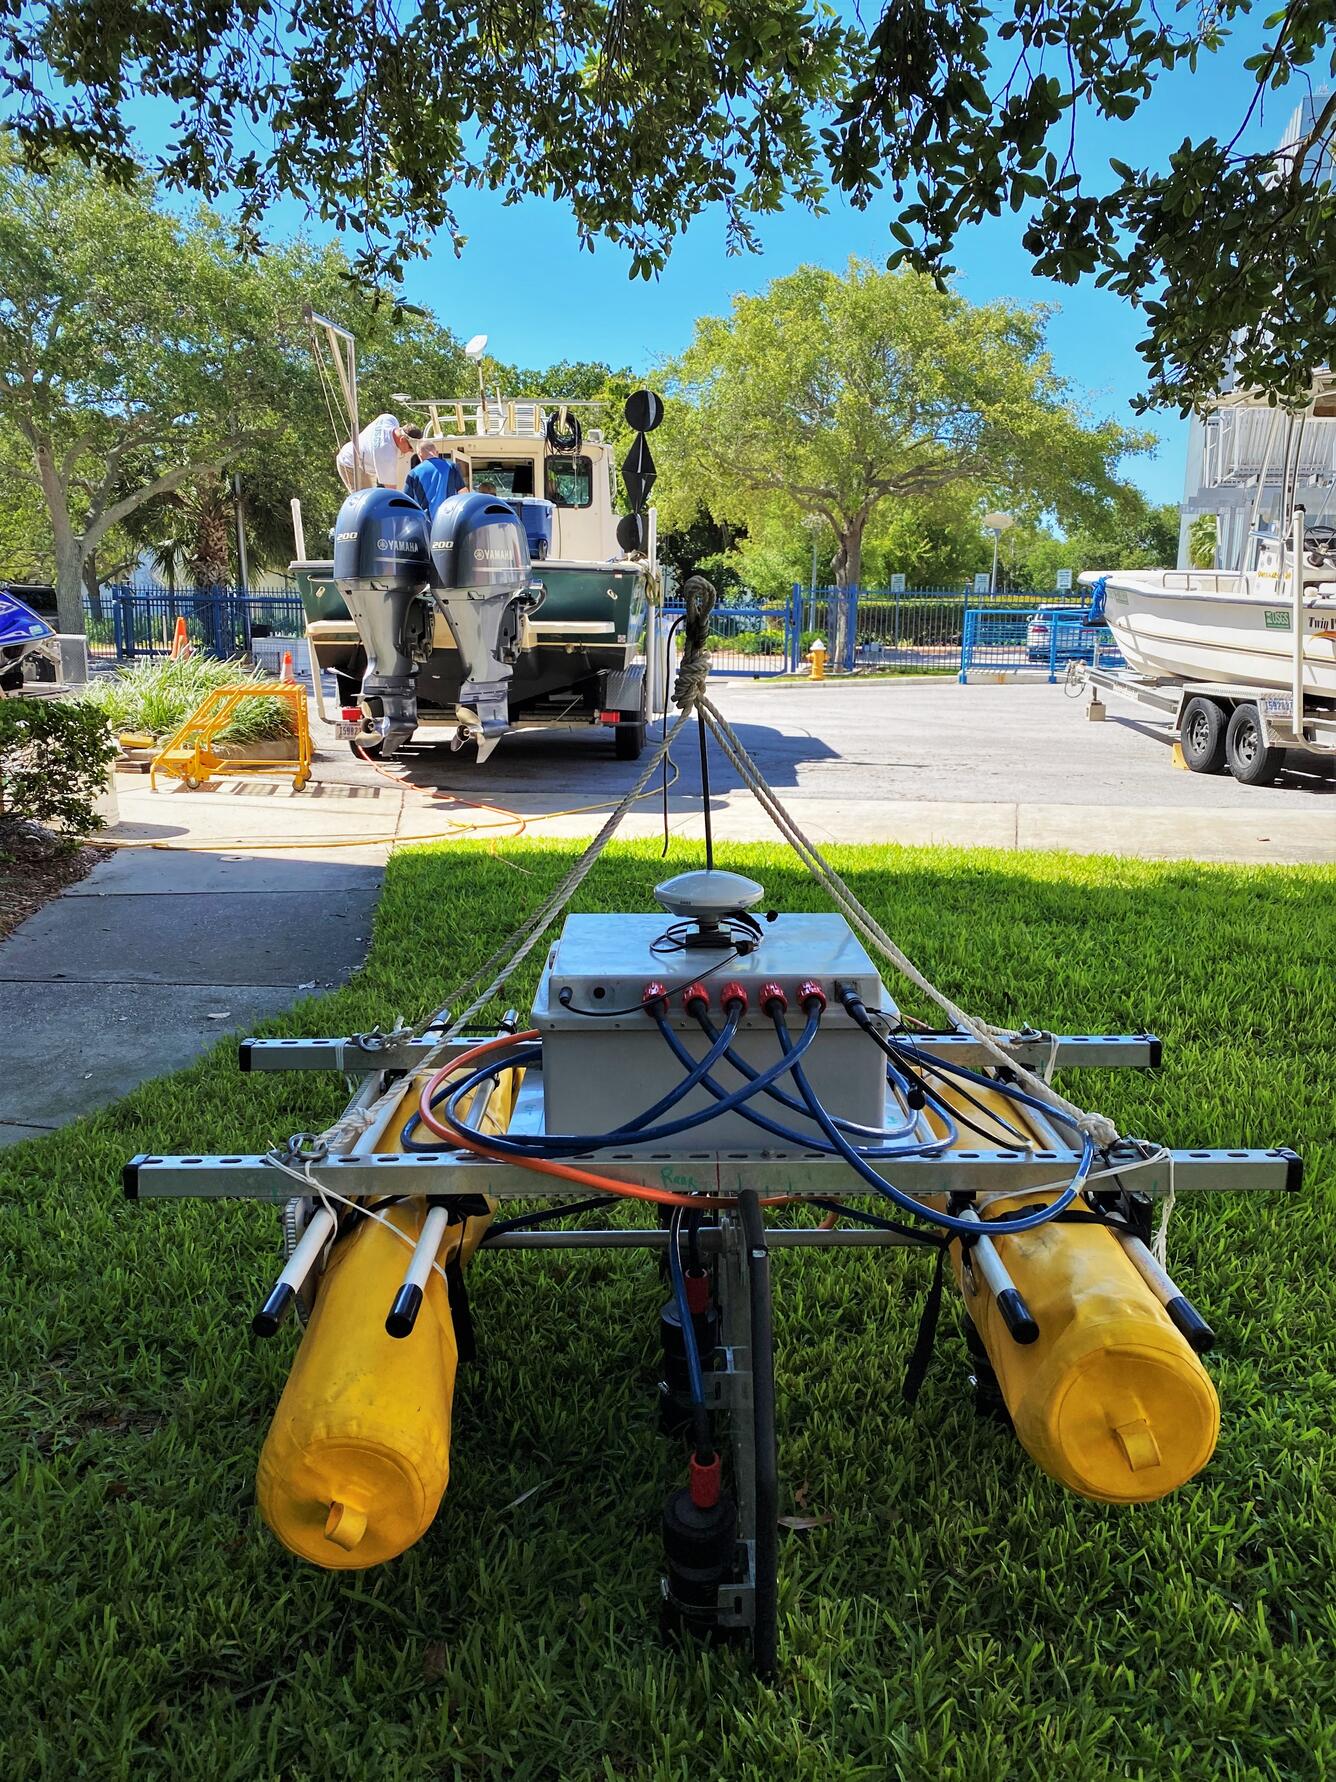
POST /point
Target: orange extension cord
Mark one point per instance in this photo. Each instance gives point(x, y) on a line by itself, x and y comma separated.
point(545, 1166)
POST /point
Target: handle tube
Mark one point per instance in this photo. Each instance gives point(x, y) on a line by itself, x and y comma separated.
point(1183, 1315)
point(1015, 1314)
point(408, 1300)
point(319, 1230)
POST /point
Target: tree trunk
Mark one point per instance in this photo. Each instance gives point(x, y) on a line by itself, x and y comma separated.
point(70, 550)
point(848, 568)
point(92, 587)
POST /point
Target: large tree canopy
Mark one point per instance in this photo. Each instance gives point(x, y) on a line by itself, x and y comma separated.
point(843, 399)
point(144, 363)
point(639, 117)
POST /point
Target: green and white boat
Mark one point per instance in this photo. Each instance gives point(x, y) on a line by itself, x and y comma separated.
point(582, 656)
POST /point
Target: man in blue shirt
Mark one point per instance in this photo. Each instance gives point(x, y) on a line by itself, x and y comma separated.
point(434, 479)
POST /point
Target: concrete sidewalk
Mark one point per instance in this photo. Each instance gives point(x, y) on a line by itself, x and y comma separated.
point(147, 961)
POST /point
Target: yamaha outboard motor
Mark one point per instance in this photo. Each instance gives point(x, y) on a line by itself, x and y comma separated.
point(481, 561)
point(382, 565)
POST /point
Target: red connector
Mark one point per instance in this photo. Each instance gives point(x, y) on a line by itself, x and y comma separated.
point(694, 994)
point(655, 998)
point(705, 1484)
point(733, 992)
point(771, 998)
point(698, 1291)
point(811, 994)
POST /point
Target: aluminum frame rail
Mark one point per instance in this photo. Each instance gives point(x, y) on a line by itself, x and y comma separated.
point(358, 1052)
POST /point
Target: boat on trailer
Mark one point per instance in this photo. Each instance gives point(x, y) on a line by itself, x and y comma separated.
point(582, 648)
point(1269, 621)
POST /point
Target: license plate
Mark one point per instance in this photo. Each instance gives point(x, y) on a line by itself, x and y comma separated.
point(347, 728)
point(1278, 705)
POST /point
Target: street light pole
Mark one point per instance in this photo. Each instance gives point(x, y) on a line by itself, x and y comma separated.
point(997, 524)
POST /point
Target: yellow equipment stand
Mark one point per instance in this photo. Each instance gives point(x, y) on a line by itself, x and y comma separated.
point(189, 755)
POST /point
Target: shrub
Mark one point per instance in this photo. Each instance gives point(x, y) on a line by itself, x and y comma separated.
point(53, 759)
point(155, 697)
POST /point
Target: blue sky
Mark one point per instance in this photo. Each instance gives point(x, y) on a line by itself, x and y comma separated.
point(523, 281)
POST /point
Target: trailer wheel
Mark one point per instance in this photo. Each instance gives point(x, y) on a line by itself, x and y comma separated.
point(1251, 761)
point(1202, 735)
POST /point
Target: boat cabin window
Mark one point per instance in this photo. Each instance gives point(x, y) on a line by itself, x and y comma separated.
point(506, 476)
point(570, 481)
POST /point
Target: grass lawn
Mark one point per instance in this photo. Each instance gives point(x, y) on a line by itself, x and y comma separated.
point(960, 1617)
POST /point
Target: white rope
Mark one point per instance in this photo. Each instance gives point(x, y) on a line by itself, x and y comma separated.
point(690, 696)
point(1098, 1127)
point(1160, 1244)
point(508, 957)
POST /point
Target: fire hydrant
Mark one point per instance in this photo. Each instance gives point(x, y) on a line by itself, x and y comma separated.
point(817, 657)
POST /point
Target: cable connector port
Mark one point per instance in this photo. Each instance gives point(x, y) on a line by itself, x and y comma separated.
point(772, 998)
point(733, 992)
point(695, 996)
point(811, 995)
point(655, 999)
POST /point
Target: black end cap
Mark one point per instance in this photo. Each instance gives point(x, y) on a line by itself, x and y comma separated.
point(1294, 1170)
point(1190, 1324)
point(1156, 1045)
point(271, 1314)
point(130, 1177)
point(244, 1054)
point(404, 1311)
point(1017, 1317)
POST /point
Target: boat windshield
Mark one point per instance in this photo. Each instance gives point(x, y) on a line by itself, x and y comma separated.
point(570, 481)
point(503, 476)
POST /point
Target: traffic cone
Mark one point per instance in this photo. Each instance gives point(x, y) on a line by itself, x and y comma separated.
point(286, 673)
point(180, 642)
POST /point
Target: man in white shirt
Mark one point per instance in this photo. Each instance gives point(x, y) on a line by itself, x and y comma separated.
point(384, 449)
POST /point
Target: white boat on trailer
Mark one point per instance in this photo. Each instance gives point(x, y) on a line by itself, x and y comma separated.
point(1243, 658)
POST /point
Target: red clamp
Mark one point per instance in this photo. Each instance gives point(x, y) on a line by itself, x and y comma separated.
point(705, 1482)
point(772, 997)
point(693, 994)
point(809, 992)
point(733, 992)
point(655, 999)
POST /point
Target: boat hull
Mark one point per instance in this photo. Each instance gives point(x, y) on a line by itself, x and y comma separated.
point(1224, 633)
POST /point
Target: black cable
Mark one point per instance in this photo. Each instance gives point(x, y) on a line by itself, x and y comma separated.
point(526, 1220)
point(667, 661)
point(566, 996)
point(895, 1050)
point(920, 1240)
point(705, 790)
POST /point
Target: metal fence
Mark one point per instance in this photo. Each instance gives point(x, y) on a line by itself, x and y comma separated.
point(1011, 634)
point(137, 623)
point(751, 640)
point(949, 631)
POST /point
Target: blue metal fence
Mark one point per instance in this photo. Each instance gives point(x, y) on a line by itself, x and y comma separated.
point(751, 640)
point(1009, 634)
point(139, 622)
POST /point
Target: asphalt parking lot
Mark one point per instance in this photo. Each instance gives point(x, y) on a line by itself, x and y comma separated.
point(908, 759)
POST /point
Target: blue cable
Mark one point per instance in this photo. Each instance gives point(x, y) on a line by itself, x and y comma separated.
point(546, 1143)
point(529, 1054)
point(744, 1069)
point(695, 1374)
point(809, 1141)
point(930, 1061)
point(963, 1227)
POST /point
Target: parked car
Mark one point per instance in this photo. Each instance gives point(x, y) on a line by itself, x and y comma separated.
point(1076, 640)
